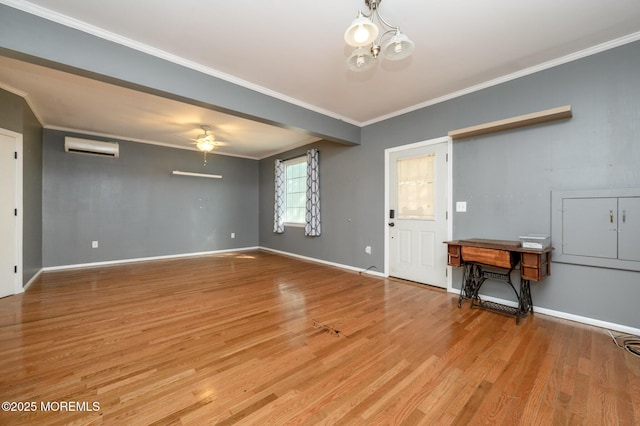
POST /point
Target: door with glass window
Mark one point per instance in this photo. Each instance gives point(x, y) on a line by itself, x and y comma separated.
point(417, 216)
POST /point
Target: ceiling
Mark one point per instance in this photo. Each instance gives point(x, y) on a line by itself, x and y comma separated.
point(294, 50)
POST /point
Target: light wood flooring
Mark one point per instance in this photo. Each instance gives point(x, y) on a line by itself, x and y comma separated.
point(258, 338)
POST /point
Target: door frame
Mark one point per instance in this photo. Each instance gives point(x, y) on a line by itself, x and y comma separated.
point(387, 153)
point(17, 283)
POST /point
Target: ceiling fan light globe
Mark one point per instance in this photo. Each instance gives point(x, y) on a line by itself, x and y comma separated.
point(398, 47)
point(205, 145)
point(361, 32)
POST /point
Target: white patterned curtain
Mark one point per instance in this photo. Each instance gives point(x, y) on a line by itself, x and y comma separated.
point(312, 226)
point(278, 206)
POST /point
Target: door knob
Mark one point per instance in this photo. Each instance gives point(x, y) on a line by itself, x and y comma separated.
point(392, 224)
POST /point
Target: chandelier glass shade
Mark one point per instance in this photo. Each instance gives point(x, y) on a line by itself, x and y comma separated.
point(361, 59)
point(399, 47)
point(363, 33)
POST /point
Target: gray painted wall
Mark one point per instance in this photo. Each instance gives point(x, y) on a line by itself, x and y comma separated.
point(135, 208)
point(31, 195)
point(349, 215)
point(506, 178)
point(11, 111)
point(598, 148)
point(15, 115)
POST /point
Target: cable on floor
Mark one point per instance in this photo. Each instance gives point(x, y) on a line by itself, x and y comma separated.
point(628, 342)
point(367, 270)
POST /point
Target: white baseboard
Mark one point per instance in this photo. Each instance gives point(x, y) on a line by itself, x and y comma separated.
point(32, 280)
point(590, 321)
point(558, 314)
point(545, 311)
point(143, 259)
point(325, 262)
point(177, 256)
point(565, 315)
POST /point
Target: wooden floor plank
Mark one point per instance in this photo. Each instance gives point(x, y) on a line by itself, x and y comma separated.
point(258, 338)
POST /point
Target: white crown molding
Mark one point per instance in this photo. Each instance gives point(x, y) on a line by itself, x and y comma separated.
point(168, 145)
point(13, 90)
point(107, 35)
point(630, 38)
point(291, 147)
point(24, 96)
point(67, 21)
point(119, 137)
point(145, 141)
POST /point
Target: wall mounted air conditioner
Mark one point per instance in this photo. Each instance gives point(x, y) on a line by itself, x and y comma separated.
point(86, 146)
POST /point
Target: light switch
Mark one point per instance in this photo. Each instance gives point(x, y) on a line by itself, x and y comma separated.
point(461, 206)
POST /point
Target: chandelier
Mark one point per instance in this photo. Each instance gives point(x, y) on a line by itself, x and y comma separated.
point(363, 35)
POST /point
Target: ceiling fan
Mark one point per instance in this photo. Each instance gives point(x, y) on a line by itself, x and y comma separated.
point(206, 142)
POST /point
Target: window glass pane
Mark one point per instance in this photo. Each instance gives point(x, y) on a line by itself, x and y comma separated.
point(416, 195)
point(298, 184)
point(296, 190)
point(297, 215)
point(297, 170)
point(295, 200)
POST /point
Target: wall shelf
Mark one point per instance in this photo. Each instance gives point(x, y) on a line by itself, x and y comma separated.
point(204, 175)
point(545, 116)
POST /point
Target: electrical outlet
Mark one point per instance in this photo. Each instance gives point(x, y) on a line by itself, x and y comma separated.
point(233, 235)
point(94, 244)
point(461, 206)
point(367, 249)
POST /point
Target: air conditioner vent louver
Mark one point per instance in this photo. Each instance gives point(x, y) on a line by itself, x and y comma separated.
point(86, 146)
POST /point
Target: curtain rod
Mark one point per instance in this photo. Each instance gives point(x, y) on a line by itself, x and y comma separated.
point(292, 158)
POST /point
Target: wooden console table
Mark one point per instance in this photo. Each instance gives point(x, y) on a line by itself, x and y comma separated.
point(496, 259)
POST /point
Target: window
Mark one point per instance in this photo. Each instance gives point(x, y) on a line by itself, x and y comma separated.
point(416, 188)
point(295, 191)
point(297, 194)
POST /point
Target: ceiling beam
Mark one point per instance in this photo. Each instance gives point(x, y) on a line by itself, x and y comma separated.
point(31, 38)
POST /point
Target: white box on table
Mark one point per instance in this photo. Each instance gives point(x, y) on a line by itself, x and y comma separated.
point(535, 241)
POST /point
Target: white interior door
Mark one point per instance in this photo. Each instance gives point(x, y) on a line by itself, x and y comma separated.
point(10, 243)
point(418, 203)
